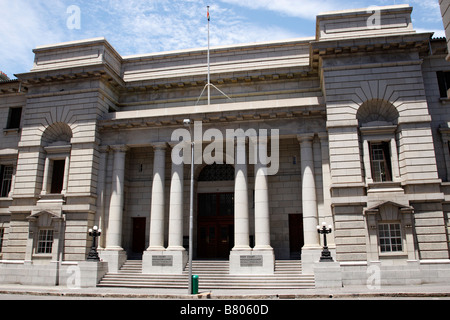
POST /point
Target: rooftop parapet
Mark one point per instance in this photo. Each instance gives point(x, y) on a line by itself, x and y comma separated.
point(358, 23)
point(75, 54)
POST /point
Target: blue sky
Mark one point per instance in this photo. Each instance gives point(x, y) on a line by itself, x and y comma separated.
point(145, 26)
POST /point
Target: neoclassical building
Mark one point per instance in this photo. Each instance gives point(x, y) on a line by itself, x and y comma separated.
point(354, 120)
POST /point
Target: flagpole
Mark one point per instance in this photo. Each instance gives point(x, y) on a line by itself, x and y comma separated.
point(209, 67)
point(209, 84)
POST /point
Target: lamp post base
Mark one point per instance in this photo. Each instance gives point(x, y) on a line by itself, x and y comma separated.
point(93, 256)
point(326, 255)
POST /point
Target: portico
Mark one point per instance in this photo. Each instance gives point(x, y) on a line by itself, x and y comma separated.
point(245, 189)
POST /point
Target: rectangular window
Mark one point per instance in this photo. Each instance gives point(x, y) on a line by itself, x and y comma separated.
point(390, 237)
point(380, 161)
point(2, 232)
point(15, 114)
point(45, 241)
point(57, 176)
point(6, 174)
point(444, 83)
point(215, 204)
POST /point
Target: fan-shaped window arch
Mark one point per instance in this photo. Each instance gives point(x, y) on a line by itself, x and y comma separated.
point(377, 112)
point(217, 172)
point(57, 132)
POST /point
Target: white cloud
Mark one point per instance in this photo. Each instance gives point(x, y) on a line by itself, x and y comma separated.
point(144, 26)
point(305, 9)
point(25, 25)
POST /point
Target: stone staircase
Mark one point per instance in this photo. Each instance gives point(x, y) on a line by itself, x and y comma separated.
point(212, 275)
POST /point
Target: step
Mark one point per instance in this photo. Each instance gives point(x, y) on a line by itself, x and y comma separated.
point(212, 275)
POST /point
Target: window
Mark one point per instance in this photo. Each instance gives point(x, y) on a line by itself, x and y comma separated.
point(2, 232)
point(215, 204)
point(380, 162)
point(45, 241)
point(15, 114)
point(57, 176)
point(6, 174)
point(390, 237)
point(444, 83)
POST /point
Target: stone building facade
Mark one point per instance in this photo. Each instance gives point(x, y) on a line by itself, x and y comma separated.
point(357, 115)
point(445, 11)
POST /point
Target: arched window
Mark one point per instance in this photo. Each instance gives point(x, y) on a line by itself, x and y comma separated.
point(377, 121)
point(56, 142)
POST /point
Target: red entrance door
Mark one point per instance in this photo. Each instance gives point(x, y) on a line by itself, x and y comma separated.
point(138, 245)
point(215, 233)
point(296, 240)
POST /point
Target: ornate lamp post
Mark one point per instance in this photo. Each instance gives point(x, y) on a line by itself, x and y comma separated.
point(93, 254)
point(188, 123)
point(326, 254)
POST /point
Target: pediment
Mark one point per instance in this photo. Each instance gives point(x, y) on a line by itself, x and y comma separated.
point(385, 204)
point(46, 214)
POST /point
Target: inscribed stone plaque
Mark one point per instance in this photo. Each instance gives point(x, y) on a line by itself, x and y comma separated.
point(162, 261)
point(251, 261)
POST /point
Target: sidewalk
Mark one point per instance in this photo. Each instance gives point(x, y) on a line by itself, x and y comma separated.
point(350, 292)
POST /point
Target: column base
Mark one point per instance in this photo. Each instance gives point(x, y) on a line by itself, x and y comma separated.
point(164, 262)
point(115, 257)
point(310, 256)
point(252, 262)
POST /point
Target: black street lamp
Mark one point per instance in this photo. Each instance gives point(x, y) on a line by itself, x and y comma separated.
point(93, 254)
point(326, 254)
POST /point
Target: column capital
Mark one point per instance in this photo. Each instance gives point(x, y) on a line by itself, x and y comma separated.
point(323, 136)
point(104, 149)
point(159, 145)
point(305, 137)
point(119, 148)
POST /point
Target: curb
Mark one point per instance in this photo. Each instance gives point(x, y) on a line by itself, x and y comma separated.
point(211, 296)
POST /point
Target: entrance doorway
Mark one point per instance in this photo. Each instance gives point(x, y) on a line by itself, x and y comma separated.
point(215, 235)
point(296, 240)
point(138, 243)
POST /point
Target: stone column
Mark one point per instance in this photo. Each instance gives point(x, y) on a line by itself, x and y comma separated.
point(311, 249)
point(45, 178)
point(156, 259)
point(394, 160)
point(241, 214)
point(113, 253)
point(66, 174)
point(157, 205)
point(114, 235)
point(366, 159)
point(262, 218)
point(241, 248)
point(176, 208)
point(175, 252)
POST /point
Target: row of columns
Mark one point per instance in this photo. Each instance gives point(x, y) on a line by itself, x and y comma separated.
point(262, 219)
